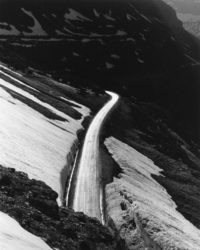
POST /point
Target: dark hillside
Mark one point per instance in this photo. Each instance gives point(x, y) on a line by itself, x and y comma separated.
point(137, 48)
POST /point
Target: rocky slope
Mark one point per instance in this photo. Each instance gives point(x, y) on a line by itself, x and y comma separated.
point(156, 179)
point(33, 204)
point(129, 46)
point(141, 209)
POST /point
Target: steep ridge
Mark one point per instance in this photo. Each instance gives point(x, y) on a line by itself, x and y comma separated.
point(128, 46)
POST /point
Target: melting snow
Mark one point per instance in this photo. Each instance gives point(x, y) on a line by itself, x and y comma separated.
point(108, 16)
point(114, 56)
point(14, 237)
point(96, 13)
point(32, 143)
point(86, 40)
point(130, 17)
point(23, 45)
point(140, 60)
point(33, 98)
point(11, 31)
point(109, 65)
point(130, 39)
point(121, 33)
point(82, 109)
point(147, 201)
point(58, 32)
point(37, 28)
point(6, 68)
point(75, 16)
point(20, 82)
point(75, 54)
point(144, 17)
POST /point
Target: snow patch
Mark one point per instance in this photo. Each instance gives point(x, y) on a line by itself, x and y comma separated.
point(37, 28)
point(81, 109)
point(109, 65)
point(8, 69)
point(23, 45)
point(136, 195)
point(34, 144)
point(147, 19)
point(130, 17)
point(75, 54)
point(86, 40)
point(9, 30)
point(75, 16)
point(140, 60)
point(130, 39)
point(20, 82)
point(121, 33)
point(114, 56)
point(96, 13)
point(13, 236)
point(108, 16)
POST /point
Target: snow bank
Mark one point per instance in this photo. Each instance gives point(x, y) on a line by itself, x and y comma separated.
point(80, 108)
point(141, 209)
point(36, 29)
point(33, 143)
point(9, 30)
point(75, 16)
point(13, 236)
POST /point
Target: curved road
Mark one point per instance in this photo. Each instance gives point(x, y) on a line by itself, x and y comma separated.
point(88, 191)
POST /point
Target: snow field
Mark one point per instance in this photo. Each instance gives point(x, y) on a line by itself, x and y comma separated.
point(34, 144)
point(14, 237)
point(136, 195)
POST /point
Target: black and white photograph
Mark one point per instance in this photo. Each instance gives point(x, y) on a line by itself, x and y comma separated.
point(99, 124)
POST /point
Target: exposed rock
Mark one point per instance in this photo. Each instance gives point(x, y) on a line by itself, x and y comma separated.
point(33, 204)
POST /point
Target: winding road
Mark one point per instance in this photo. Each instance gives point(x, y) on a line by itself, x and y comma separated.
point(87, 196)
point(88, 191)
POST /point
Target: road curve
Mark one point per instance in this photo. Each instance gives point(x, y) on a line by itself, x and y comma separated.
point(88, 191)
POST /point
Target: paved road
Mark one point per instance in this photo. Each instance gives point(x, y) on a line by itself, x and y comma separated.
point(88, 190)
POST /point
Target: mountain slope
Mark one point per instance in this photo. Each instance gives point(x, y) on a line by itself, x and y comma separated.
point(127, 46)
point(140, 50)
point(41, 127)
point(30, 146)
